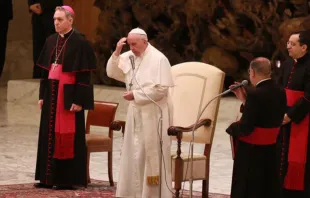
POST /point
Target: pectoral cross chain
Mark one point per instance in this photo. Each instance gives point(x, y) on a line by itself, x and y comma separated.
point(54, 65)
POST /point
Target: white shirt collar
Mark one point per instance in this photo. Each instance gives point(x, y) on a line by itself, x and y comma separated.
point(62, 35)
point(262, 81)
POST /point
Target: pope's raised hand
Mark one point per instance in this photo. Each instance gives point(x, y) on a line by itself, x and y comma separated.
point(119, 46)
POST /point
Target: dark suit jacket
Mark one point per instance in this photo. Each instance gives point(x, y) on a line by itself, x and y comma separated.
point(7, 11)
point(47, 5)
point(265, 107)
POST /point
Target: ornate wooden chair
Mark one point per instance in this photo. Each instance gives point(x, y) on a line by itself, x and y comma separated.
point(195, 85)
point(103, 115)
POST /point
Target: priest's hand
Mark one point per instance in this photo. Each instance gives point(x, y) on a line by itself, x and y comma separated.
point(128, 95)
point(286, 119)
point(76, 108)
point(36, 8)
point(40, 103)
point(240, 92)
point(119, 46)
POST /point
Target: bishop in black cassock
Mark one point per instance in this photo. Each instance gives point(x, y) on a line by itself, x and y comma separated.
point(294, 138)
point(255, 135)
point(67, 60)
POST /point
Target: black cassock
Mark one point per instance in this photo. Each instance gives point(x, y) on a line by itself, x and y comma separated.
point(5, 16)
point(254, 170)
point(293, 140)
point(61, 158)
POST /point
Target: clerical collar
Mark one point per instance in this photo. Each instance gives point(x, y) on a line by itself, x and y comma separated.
point(262, 81)
point(66, 34)
point(303, 58)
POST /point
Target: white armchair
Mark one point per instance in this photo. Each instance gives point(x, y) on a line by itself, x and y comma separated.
point(195, 85)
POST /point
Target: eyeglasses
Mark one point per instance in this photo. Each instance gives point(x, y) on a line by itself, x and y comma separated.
point(291, 43)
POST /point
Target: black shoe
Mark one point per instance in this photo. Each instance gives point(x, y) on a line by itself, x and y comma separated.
point(56, 187)
point(40, 185)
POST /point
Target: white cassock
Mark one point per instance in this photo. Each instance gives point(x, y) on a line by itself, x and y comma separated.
point(139, 165)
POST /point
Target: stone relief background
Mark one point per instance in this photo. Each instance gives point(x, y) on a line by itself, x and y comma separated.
point(224, 33)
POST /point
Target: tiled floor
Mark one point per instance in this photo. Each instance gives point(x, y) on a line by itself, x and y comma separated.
point(18, 144)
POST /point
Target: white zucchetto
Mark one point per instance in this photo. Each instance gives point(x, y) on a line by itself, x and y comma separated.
point(137, 31)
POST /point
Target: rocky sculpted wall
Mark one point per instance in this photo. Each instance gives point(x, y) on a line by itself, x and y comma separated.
point(224, 33)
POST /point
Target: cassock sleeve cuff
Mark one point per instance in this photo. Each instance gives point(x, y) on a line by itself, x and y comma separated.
point(43, 85)
point(135, 96)
point(299, 110)
point(232, 128)
point(241, 108)
point(79, 94)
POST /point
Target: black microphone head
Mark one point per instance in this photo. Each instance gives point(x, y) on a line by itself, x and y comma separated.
point(245, 82)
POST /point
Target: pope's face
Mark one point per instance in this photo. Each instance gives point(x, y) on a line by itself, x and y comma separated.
point(136, 43)
point(62, 23)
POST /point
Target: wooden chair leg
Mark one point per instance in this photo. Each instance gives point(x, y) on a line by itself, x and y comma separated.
point(178, 175)
point(87, 167)
point(205, 188)
point(205, 183)
point(177, 188)
point(110, 171)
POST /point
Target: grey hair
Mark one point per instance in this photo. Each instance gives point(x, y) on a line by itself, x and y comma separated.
point(68, 14)
point(261, 65)
point(144, 37)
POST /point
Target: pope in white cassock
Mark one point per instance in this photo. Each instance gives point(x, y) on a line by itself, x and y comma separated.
point(140, 164)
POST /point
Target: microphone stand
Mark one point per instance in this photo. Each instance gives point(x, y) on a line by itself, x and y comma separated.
point(161, 134)
point(193, 137)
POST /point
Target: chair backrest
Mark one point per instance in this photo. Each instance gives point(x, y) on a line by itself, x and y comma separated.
point(195, 85)
point(102, 115)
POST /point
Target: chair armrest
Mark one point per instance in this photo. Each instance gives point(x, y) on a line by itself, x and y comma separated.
point(176, 130)
point(117, 125)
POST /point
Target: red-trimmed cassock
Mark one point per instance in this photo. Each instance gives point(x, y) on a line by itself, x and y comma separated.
point(293, 140)
point(61, 157)
point(255, 135)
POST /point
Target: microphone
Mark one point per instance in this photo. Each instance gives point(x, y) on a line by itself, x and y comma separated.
point(132, 61)
point(243, 83)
